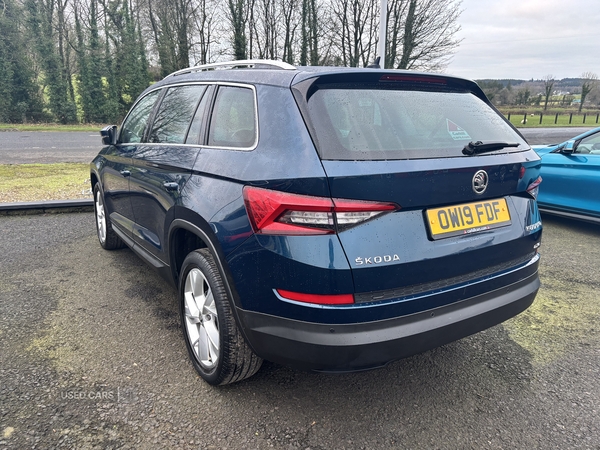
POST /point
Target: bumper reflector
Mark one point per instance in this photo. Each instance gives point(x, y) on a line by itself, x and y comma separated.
point(342, 299)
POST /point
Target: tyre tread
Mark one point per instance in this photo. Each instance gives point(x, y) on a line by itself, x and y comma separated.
point(238, 360)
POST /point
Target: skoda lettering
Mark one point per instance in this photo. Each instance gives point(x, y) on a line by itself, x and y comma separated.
point(376, 259)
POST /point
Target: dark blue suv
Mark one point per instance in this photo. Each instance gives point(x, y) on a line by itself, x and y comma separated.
point(329, 219)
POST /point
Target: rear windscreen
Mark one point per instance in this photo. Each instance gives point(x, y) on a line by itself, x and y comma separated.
point(379, 124)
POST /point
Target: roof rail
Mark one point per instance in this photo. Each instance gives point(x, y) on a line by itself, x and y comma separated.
point(246, 63)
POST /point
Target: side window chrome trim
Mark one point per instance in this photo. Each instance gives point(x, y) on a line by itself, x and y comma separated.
point(168, 144)
point(241, 85)
point(167, 86)
point(256, 121)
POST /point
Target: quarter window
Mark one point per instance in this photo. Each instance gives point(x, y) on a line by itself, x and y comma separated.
point(590, 144)
point(132, 130)
point(233, 122)
point(175, 114)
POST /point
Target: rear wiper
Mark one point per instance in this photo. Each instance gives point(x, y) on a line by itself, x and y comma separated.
point(479, 147)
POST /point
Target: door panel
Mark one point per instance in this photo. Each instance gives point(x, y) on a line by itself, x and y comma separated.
point(115, 183)
point(162, 167)
point(571, 182)
point(157, 180)
point(118, 168)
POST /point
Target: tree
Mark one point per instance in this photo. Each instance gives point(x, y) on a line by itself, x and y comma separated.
point(89, 59)
point(204, 20)
point(92, 97)
point(170, 23)
point(125, 55)
point(41, 23)
point(421, 34)
point(548, 85)
point(588, 83)
point(523, 96)
point(356, 31)
point(19, 98)
point(289, 11)
point(309, 53)
point(238, 19)
point(491, 88)
point(264, 29)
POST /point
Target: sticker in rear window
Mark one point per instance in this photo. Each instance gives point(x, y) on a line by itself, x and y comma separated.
point(456, 132)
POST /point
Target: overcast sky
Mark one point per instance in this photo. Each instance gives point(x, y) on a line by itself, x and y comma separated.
point(526, 39)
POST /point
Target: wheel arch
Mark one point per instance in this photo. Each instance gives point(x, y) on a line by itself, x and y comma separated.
point(186, 236)
point(95, 169)
point(94, 178)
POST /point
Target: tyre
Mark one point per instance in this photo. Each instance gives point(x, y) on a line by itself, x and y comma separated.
point(109, 240)
point(217, 349)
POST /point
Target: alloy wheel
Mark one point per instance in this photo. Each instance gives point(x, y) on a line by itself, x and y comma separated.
point(100, 217)
point(201, 319)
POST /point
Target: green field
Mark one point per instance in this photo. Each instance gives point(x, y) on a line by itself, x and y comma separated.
point(49, 127)
point(40, 182)
point(533, 120)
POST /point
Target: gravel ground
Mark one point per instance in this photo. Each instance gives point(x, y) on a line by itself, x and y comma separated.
point(92, 358)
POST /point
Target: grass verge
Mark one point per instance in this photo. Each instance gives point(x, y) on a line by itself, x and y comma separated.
point(41, 182)
point(533, 121)
point(50, 127)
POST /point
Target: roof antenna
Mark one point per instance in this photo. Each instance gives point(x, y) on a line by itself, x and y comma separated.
point(375, 64)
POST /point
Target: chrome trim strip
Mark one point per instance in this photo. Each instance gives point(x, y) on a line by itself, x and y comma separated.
point(415, 297)
point(208, 83)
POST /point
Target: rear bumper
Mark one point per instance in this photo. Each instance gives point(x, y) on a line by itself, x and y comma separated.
point(359, 346)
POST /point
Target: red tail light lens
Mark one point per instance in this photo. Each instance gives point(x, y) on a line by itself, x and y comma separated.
point(275, 212)
point(343, 299)
point(534, 187)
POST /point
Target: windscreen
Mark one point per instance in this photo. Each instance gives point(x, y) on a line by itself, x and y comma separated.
point(378, 124)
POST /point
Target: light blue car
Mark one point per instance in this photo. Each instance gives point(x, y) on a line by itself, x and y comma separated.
point(571, 177)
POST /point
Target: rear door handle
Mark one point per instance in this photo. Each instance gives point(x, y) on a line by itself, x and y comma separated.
point(125, 173)
point(171, 186)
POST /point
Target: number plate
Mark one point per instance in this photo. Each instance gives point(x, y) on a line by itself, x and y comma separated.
point(467, 218)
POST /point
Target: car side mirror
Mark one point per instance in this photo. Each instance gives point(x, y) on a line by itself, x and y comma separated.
point(109, 135)
point(568, 147)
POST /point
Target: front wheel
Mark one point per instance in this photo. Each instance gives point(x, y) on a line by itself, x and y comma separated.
point(216, 347)
point(109, 240)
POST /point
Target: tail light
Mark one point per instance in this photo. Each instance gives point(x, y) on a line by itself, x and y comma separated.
point(534, 187)
point(282, 213)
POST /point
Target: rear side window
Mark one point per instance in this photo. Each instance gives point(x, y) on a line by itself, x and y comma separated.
point(378, 124)
point(233, 120)
point(132, 130)
point(175, 113)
